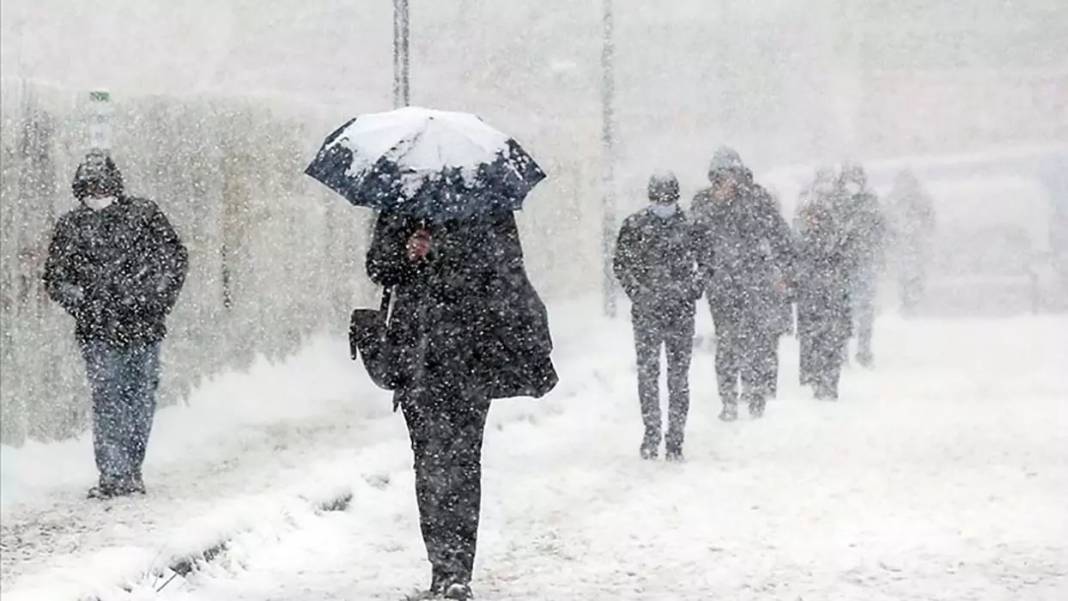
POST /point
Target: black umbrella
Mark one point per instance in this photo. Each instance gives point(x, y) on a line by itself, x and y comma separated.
point(426, 163)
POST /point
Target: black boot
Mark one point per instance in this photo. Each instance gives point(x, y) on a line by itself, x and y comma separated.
point(673, 444)
point(135, 483)
point(458, 591)
point(649, 452)
point(650, 448)
point(673, 454)
point(108, 487)
point(438, 579)
point(826, 392)
point(756, 406)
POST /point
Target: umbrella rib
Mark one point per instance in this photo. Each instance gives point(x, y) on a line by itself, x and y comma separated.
point(413, 141)
point(396, 147)
point(454, 128)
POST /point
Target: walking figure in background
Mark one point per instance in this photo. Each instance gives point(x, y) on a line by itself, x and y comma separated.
point(744, 246)
point(782, 319)
point(823, 190)
point(913, 225)
point(655, 263)
point(116, 265)
point(863, 218)
point(823, 305)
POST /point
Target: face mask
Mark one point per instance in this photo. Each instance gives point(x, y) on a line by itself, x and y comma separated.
point(664, 211)
point(99, 203)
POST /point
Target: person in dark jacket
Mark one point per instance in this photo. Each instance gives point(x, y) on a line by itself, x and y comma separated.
point(116, 265)
point(744, 247)
point(466, 327)
point(825, 190)
point(823, 303)
point(655, 263)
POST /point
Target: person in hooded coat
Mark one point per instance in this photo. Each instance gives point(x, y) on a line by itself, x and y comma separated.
point(824, 191)
point(116, 265)
point(824, 317)
point(655, 263)
point(466, 327)
point(863, 217)
point(744, 249)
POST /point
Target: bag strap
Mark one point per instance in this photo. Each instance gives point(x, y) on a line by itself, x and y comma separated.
point(387, 297)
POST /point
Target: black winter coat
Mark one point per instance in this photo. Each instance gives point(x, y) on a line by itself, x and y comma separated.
point(824, 271)
point(117, 271)
point(467, 317)
point(745, 251)
point(656, 263)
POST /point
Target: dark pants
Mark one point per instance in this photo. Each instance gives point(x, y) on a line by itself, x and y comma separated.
point(745, 353)
point(773, 382)
point(805, 357)
point(822, 350)
point(782, 323)
point(672, 330)
point(123, 382)
point(446, 429)
point(864, 316)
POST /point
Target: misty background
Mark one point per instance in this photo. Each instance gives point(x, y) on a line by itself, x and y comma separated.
point(218, 105)
point(786, 81)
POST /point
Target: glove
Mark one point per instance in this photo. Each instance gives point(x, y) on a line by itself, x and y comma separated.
point(643, 296)
point(696, 291)
point(70, 295)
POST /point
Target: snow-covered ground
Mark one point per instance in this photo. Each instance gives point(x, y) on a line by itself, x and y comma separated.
point(941, 475)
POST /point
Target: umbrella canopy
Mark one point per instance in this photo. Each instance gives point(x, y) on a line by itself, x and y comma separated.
point(426, 163)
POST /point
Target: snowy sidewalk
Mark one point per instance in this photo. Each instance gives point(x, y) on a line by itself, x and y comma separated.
point(942, 475)
point(245, 447)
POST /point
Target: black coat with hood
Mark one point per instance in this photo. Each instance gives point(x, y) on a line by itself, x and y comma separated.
point(466, 317)
point(655, 263)
point(746, 251)
point(824, 269)
point(116, 270)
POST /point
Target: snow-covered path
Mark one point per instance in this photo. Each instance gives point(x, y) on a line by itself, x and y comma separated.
point(942, 475)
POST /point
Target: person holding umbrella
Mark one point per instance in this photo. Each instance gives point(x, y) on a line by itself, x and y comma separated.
point(466, 325)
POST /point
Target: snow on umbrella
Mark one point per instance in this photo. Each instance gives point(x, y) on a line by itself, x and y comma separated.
point(427, 163)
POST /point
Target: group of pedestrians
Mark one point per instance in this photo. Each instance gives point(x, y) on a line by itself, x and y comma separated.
point(736, 249)
point(466, 326)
